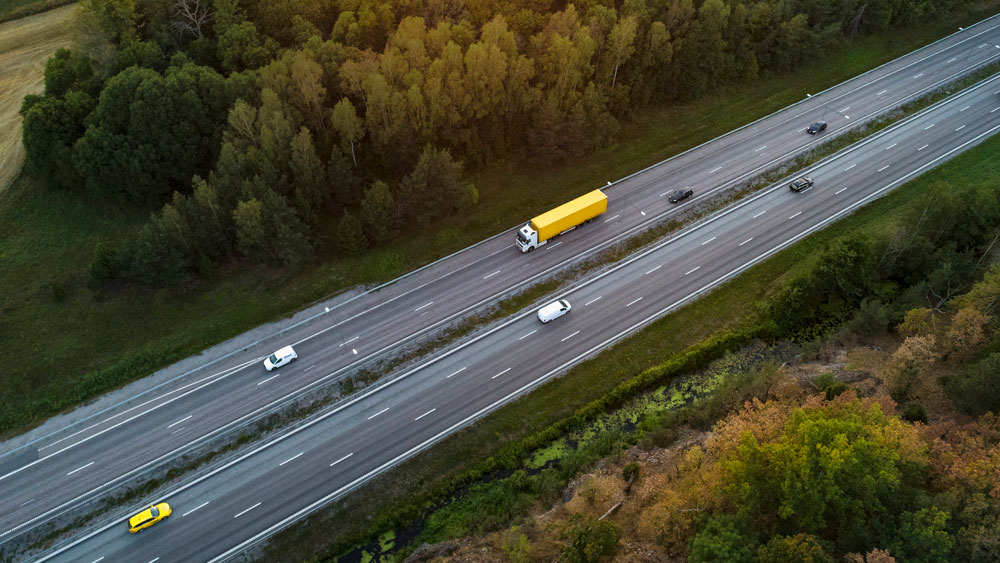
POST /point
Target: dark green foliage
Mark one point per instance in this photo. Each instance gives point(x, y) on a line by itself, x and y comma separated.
point(872, 317)
point(835, 389)
point(435, 187)
point(351, 235)
point(51, 126)
point(630, 471)
point(800, 548)
point(591, 541)
point(66, 71)
point(914, 412)
point(723, 539)
point(378, 212)
point(977, 539)
point(976, 388)
point(922, 537)
point(146, 54)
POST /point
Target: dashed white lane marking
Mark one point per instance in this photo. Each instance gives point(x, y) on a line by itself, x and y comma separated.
point(501, 373)
point(313, 367)
point(951, 60)
point(592, 300)
point(154, 560)
point(259, 383)
point(845, 109)
point(101, 558)
point(290, 459)
point(522, 338)
point(760, 149)
point(983, 45)
point(556, 244)
point(463, 368)
point(491, 275)
point(923, 147)
point(960, 128)
point(245, 511)
point(612, 218)
point(880, 93)
point(27, 503)
point(794, 216)
point(994, 109)
point(708, 241)
point(839, 191)
point(351, 340)
point(692, 270)
point(425, 414)
point(929, 126)
point(851, 166)
point(919, 75)
point(202, 505)
point(759, 214)
point(570, 336)
point(801, 130)
point(79, 468)
point(746, 241)
point(883, 168)
point(963, 109)
point(665, 193)
point(654, 269)
point(422, 306)
point(890, 146)
point(633, 302)
point(179, 421)
point(378, 413)
point(341, 459)
point(714, 170)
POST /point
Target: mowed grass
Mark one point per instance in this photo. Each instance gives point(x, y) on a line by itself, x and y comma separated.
point(25, 44)
point(16, 9)
point(55, 347)
point(730, 305)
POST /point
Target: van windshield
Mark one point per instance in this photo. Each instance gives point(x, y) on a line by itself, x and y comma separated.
point(274, 359)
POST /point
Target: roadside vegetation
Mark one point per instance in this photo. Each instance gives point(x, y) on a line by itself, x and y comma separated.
point(895, 301)
point(75, 249)
point(17, 9)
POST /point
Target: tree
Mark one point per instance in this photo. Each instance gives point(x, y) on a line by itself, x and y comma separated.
point(348, 125)
point(116, 20)
point(966, 331)
point(251, 231)
point(378, 212)
point(621, 44)
point(722, 540)
point(592, 540)
point(351, 235)
point(975, 388)
point(50, 127)
point(308, 175)
point(801, 548)
point(922, 537)
point(190, 17)
point(434, 188)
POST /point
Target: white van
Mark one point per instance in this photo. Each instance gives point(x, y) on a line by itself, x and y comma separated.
point(284, 356)
point(553, 310)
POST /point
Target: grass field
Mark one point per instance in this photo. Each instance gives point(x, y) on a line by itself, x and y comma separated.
point(55, 333)
point(25, 44)
point(16, 9)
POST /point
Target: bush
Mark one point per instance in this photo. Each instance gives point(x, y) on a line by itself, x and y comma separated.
point(630, 471)
point(592, 540)
point(832, 391)
point(914, 412)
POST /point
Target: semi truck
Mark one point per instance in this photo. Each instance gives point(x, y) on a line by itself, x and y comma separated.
point(564, 218)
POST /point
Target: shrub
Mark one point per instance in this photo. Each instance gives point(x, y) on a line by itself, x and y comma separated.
point(914, 412)
point(592, 540)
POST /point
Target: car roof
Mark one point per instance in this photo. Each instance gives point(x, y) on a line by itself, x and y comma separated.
point(284, 351)
point(141, 517)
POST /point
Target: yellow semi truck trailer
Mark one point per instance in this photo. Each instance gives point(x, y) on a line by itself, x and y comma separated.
point(564, 218)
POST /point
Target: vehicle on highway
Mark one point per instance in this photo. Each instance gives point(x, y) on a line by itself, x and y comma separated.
point(553, 310)
point(567, 216)
point(816, 127)
point(680, 195)
point(283, 356)
point(800, 184)
point(148, 517)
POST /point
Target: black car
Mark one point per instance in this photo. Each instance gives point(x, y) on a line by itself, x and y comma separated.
point(816, 127)
point(800, 184)
point(679, 195)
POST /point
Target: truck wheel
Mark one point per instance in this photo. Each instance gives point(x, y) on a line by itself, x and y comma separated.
point(530, 248)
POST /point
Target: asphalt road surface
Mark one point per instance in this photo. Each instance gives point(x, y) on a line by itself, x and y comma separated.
point(88, 458)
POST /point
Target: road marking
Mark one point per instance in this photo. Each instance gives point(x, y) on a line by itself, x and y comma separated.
point(801, 130)
point(101, 558)
point(425, 414)
point(845, 109)
point(654, 269)
point(983, 45)
point(665, 193)
point(592, 300)
point(290, 459)
point(422, 306)
point(378, 413)
point(994, 109)
point(883, 168)
point(463, 368)
point(882, 92)
point(890, 146)
point(839, 191)
point(259, 383)
point(794, 216)
point(521, 338)
point(960, 128)
point(714, 170)
point(963, 109)
point(27, 503)
point(313, 366)
point(612, 219)
point(759, 214)
point(708, 241)
point(760, 149)
point(491, 275)
point(556, 244)
point(202, 505)
point(928, 127)
point(692, 270)
point(951, 60)
point(570, 336)
point(919, 75)
point(79, 468)
point(346, 456)
point(356, 337)
point(851, 166)
point(179, 421)
point(501, 373)
point(634, 302)
point(923, 147)
point(154, 560)
point(245, 511)
point(746, 241)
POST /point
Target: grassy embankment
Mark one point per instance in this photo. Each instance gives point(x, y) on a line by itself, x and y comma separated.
point(56, 334)
point(17, 9)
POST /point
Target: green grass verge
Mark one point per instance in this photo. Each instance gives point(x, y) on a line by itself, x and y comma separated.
point(64, 344)
point(15, 9)
point(678, 342)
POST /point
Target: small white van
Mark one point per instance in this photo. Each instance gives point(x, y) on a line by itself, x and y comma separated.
point(284, 356)
point(553, 310)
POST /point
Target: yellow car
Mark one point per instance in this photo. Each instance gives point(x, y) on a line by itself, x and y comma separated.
point(148, 517)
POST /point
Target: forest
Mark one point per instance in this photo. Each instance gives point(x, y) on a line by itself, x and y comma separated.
point(275, 132)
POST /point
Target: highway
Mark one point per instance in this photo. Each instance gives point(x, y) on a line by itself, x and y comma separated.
point(81, 461)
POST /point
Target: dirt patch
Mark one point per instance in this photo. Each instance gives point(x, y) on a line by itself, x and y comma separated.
point(25, 44)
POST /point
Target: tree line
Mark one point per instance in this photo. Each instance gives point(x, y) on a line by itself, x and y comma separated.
point(254, 123)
